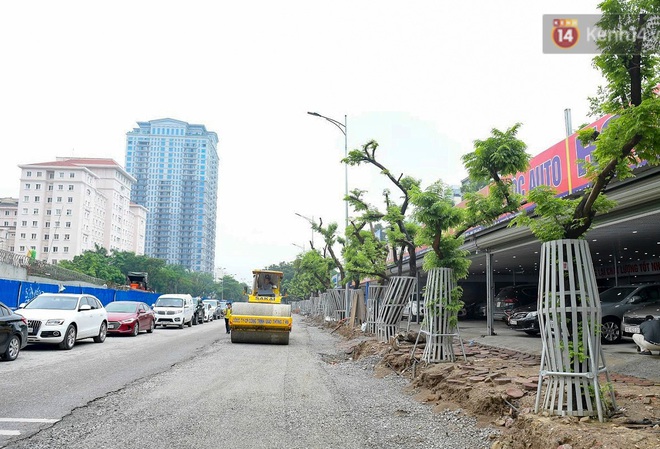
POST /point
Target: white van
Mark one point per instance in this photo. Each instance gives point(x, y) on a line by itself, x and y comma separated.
point(174, 310)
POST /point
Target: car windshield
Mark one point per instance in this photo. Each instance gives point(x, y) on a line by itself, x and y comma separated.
point(53, 302)
point(615, 294)
point(169, 302)
point(121, 307)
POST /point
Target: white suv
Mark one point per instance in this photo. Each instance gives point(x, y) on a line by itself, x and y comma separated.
point(63, 318)
point(174, 310)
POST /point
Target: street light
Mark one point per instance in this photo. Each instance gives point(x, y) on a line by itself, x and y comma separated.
point(311, 221)
point(301, 247)
point(344, 129)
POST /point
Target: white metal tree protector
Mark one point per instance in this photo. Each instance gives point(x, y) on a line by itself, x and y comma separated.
point(399, 289)
point(437, 326)
point(569, 315)
point(375, 295)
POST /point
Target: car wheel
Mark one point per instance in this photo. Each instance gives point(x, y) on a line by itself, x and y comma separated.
point(610, 331)
point(136, 329)
point(190, 323)
point(152, 327)
point(13, 348)
point(103, 332)
point(69, 338)
point(183, 323)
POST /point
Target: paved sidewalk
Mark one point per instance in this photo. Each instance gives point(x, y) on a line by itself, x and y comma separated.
point(621, 358)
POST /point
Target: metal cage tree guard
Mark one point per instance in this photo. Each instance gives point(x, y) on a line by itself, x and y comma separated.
point(440, 324)
point(399, 289)
point(570, 319)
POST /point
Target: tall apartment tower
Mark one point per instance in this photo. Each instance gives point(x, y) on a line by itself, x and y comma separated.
point(176, 167)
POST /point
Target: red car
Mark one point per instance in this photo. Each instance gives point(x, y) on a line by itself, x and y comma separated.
point(130, 317)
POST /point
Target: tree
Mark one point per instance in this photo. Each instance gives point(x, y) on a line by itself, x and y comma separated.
point(630, 67)
point(96, 263)
point(401, 231)
point(313, 273)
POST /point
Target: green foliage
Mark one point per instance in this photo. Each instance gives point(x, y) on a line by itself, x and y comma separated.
point(96, 263)
point(553, 215)
point(313, 273)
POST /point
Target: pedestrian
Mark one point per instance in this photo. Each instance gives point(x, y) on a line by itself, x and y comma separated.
point(648, 338)
point(227, 316)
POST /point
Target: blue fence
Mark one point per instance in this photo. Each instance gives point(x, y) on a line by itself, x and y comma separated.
point(13, 293)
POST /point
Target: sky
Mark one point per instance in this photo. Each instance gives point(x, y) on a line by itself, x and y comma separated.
point(423, 78)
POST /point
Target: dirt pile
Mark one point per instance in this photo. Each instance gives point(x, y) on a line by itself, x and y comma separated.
point(499, 387)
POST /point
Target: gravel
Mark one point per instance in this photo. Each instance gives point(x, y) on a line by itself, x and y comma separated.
point(304, 395)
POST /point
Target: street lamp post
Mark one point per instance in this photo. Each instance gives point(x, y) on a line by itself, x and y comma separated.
point(343, 127)
point(311, 221)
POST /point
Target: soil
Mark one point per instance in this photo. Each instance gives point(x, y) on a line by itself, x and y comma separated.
point(499, 386)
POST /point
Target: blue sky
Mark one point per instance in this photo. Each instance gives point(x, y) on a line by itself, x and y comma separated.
point(423, 78)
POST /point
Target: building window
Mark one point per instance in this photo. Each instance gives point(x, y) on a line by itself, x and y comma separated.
point(60, 187)
point(58, 211)
point(47, 224)
point(66, 236)
point(27, 186)
point(25, 211)
point(68, 212)
point(26, 198)
point(69, 199)
point(72, 175)
point(6, 223)
point(59, 199)
point(67, 224)
point(45, 249)
point(70, 187)
point(6, 212)
point(38, 174)
point(55, 249)
point(50, 187)
point(61, 174)
point(49, 200)
point(46, 236)
point(35, 224)
point(23, 223)
point(22, 235)
point(28, 174)
point(49, 212)
point(57, 224)
point(37, 199)
point(66, 249)
point(35, 212)
point(33, 236)
point(56, 236)
point(21, 248)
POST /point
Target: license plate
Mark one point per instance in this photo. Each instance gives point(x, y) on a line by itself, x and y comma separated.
point(513, 322)
point(631, 329)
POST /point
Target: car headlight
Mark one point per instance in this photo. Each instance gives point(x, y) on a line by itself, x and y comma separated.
point(130, 320)
point(179, 311)
point(57, 322)
point(532, 314)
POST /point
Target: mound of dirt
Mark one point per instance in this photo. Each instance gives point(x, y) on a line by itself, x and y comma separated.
point(499, 387)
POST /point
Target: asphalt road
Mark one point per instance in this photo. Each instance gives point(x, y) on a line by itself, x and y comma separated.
point(45, 384)
point(193, 388)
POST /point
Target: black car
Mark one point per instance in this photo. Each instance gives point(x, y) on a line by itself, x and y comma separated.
point(525, 319)
point(13, 333)
point(512, 297)
point(618, 300)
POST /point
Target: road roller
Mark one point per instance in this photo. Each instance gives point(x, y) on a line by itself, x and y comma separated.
point(263, 319)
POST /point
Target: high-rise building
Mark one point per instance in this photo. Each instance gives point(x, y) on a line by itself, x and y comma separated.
point(68, 206)
point(176, 167)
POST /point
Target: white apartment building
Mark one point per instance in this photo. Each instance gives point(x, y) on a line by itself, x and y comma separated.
point(70, 205)
point(8, 210)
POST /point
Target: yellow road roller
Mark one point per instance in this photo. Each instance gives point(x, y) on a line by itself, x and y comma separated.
point(263, 319)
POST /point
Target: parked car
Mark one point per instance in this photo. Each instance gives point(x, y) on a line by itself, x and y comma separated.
point(634, 317)
point(130, 317)
point(616, 301)
point(410, 310)
point(13, 333)
point(64, 318)
point(174, 310)
point(525, 319)
point(199, 312)
point(216, 313)
point(512, 297)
